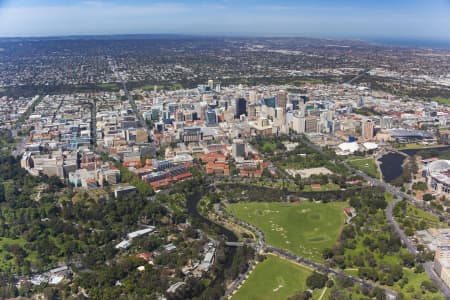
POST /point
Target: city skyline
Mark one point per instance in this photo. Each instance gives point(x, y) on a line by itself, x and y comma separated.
point(349, 19)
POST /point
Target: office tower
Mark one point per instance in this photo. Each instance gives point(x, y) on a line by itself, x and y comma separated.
point(211, 83)
point(238, 148)
point(251, 110)
point(368, 129)
point(253, 97)
point(282, 99)
point(360, 102)
point(298, 122)
point(179, 116)
point(386, 122)
point(241, 107)
point(211, 117)
point(311, 124)
point(270, 102)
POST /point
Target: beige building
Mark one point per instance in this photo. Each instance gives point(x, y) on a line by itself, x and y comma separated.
point(368, 130)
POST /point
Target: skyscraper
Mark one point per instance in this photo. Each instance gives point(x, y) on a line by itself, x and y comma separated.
point(282, 99)
point(252, 96)
point(368, 129)
point(241, 107)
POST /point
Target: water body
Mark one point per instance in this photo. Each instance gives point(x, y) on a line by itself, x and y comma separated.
point(411, 42)
point(414, 151)
point(391, 163)
point(192, 203)
point(391, 166)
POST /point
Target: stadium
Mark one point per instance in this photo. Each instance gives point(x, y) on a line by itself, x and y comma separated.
point(438, 176)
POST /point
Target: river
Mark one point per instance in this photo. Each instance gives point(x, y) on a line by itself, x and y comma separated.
point(230, 252)
point(192, 203)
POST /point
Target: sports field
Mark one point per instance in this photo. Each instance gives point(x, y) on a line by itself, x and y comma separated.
point(273, 279)
point(304, 229)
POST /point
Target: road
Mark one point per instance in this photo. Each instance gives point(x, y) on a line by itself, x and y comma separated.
point(362, 73)
point(128, 95)
point(398, 196)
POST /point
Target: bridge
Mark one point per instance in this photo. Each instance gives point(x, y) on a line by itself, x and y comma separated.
point(234, 244)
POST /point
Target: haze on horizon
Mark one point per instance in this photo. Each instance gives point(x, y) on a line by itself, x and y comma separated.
point(405, 19)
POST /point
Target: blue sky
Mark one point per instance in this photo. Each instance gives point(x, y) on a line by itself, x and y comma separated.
point(428, 19)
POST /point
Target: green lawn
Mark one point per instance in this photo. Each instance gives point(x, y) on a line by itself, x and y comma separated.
point(367, 165)
point(165, 86)
point(109, 86)
point(304, 229)
point(421, 215)
point(417, 146)
point(441, 100)
point(274, 278)
point(412, 289)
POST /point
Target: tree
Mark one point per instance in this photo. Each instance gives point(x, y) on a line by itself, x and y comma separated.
point(301, 296)
point(428, 286)
point(316, 280)
point(427, 197)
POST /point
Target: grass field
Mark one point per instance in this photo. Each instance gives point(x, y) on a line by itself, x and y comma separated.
point(367, 165)
point(166, 86)
point(109, 86)
point(273, 279)
point(412, 289)
point(418, 214)
point(418, 146)
point(441, 100)
point(304, 229)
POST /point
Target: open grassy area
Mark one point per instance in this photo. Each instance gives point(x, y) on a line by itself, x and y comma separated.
point(274, 278)
point(421, 215)
point(304, 229)
point(165, 86)
point(417, 146)
point(109, 86)
point(411, 218)
point(323, 188)
point(441, 100)
point(412, 289)
point(367, 165)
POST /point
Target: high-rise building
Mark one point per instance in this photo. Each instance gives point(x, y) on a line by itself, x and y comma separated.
point(368, 130)
point(251, 110)
point(179, 116)
point(211, 117)
point(241, 107)
point(282, 99)
point(211, 83)
point(270, 102)
point(386, 122)
point(360, 102)
point(298, 122)
point(238, 148)
point(311, 124)
point(252, 97)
